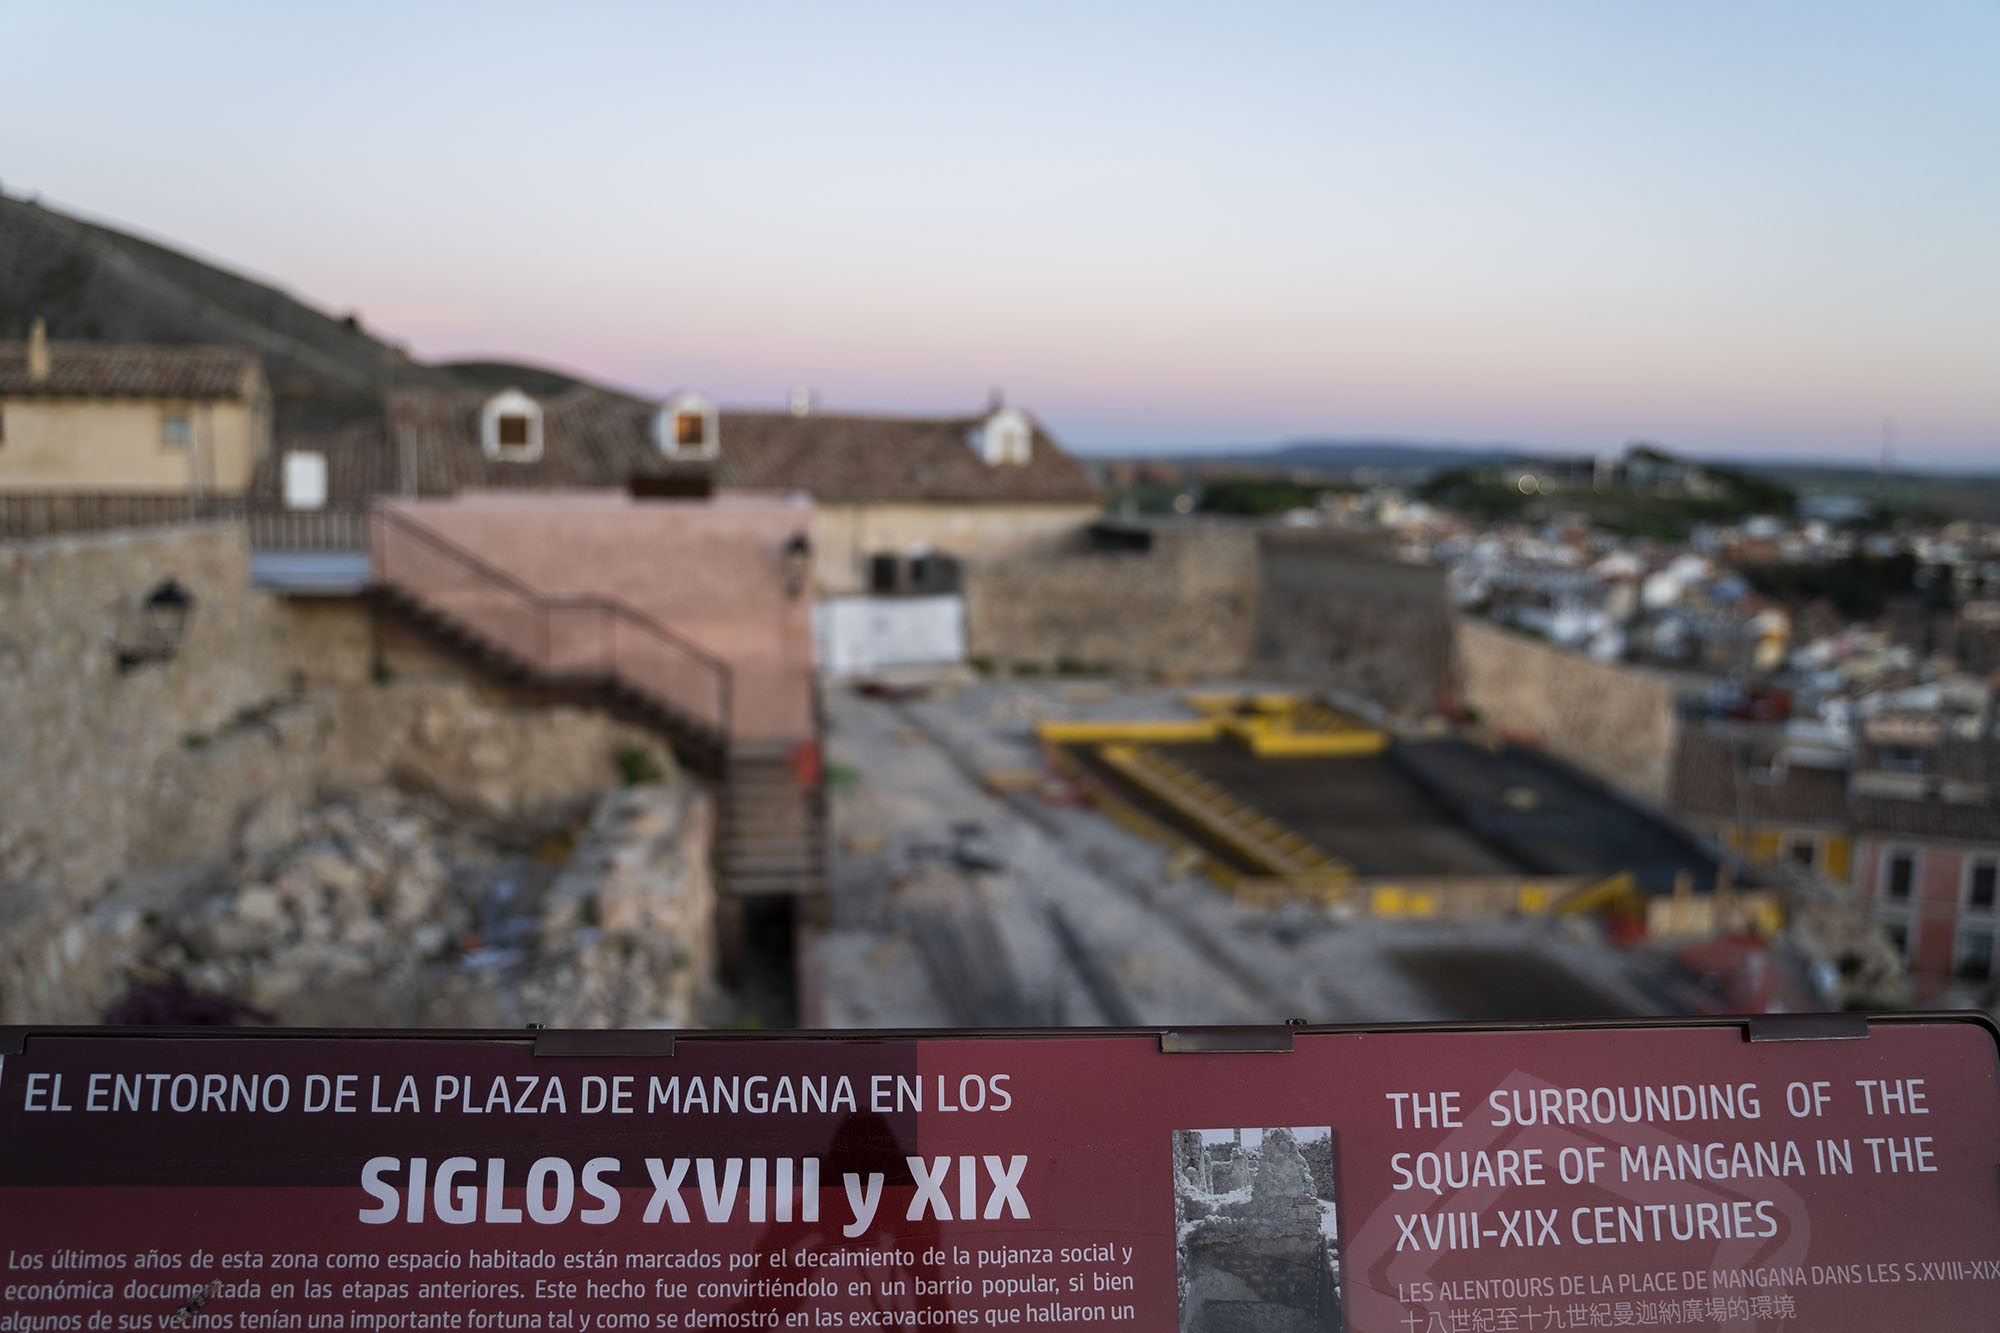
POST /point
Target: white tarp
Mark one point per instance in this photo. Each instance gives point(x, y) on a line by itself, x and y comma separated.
point(859, 634)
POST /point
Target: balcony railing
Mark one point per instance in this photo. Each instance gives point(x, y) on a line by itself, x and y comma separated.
point(334, 528)
point(28, 514)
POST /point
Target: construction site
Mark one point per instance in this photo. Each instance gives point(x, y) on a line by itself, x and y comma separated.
point(1048, 851)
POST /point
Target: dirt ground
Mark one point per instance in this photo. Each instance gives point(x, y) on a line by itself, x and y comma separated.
point(962, 895)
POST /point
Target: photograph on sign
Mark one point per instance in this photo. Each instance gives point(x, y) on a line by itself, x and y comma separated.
point(1255, 1235)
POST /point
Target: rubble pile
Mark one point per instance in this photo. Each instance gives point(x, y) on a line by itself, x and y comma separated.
point(387, 908)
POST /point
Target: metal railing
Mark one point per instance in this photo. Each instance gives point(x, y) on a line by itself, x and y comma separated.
point(341, 527)
point(562, 638)
point(28, 514)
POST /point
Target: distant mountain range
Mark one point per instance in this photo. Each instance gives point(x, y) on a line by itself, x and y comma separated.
point(1345, 455)
point(92, 283)
point(1422, 456)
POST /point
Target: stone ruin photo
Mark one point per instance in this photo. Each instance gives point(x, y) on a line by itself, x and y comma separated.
point(1257, 1241)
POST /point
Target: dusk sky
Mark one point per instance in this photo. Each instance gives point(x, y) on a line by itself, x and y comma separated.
point(1751, 228)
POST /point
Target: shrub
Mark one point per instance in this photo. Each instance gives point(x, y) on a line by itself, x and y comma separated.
point(636, 765)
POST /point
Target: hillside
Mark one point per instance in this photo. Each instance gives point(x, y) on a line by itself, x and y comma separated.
point(93, 283)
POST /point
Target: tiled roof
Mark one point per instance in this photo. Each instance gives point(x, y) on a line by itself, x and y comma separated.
point(1954, 758)
point(130, 370)
point(885, 459)
point(359, 464)
point(1930, 818)
point(1713, 773)
point(592, 437)
point(1731, 778)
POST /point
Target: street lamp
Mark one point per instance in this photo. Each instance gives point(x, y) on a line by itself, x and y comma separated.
point(163, 617)
point(798, 564)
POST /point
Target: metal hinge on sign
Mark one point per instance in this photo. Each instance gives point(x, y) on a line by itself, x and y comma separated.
point(1226, 1041)
point(616, 1045)
point(1807, 1027)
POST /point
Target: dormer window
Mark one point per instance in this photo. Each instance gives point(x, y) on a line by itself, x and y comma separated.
point(686, 427)
point(510, 428)
point(1005, 439)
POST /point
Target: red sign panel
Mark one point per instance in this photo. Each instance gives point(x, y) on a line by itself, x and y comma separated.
point(1410, 1181)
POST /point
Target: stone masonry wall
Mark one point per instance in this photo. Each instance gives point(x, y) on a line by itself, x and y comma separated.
point(1333, 614)
point(1616, 721)
point(121, 791)
point(1186, 606)
point(85, 741)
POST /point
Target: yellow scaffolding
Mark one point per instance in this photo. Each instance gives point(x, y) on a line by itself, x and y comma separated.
point(1255, 836)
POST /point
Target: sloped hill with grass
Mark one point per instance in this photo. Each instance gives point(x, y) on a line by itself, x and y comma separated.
point(94, 283)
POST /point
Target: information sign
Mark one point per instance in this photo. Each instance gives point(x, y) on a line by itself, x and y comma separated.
point(1751, 1175)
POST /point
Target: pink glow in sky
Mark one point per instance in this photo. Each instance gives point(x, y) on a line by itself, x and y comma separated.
point(1751, 229)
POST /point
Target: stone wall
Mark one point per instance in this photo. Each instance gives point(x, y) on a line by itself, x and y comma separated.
point(1183, 606)
point(1615, 721)
point(121, 791)
point(85, 740)
point(1333, 613)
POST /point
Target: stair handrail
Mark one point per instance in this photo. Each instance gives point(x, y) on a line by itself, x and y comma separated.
point(542, 603)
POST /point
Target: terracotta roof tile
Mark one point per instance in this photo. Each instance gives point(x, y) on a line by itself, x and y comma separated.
point(130, 370)
point(359, 464)
point(885, 459)
point(1952, 821)
point(1731, 778)
point(592, 437)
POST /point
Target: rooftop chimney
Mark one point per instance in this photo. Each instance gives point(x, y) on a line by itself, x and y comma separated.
point(801, 402)
point(38, 351)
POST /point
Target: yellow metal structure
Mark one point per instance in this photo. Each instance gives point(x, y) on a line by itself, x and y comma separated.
point(1289, 867)
point(1271, 725)
point(1611, 891)
point(1255, 836)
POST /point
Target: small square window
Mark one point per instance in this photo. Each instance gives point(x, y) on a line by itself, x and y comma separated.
point(175, 429)
point(1902, 759)
point(1803, 852)
point(1899, 936)
point(1980, 885)
point(1973, 954)
point(513, 432)
point(884, 574)
point(1902, 876)
point(689, 429)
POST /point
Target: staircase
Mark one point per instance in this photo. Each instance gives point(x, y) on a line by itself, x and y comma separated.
point(773, 827)
point(604, 653)
point(700, 743)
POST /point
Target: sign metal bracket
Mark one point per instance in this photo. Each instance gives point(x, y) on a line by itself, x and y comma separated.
point(643, 1044)
point(1226, 1041)
point(1807, 1027)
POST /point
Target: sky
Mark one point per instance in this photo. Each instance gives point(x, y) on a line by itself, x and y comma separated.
point(1735, 229)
